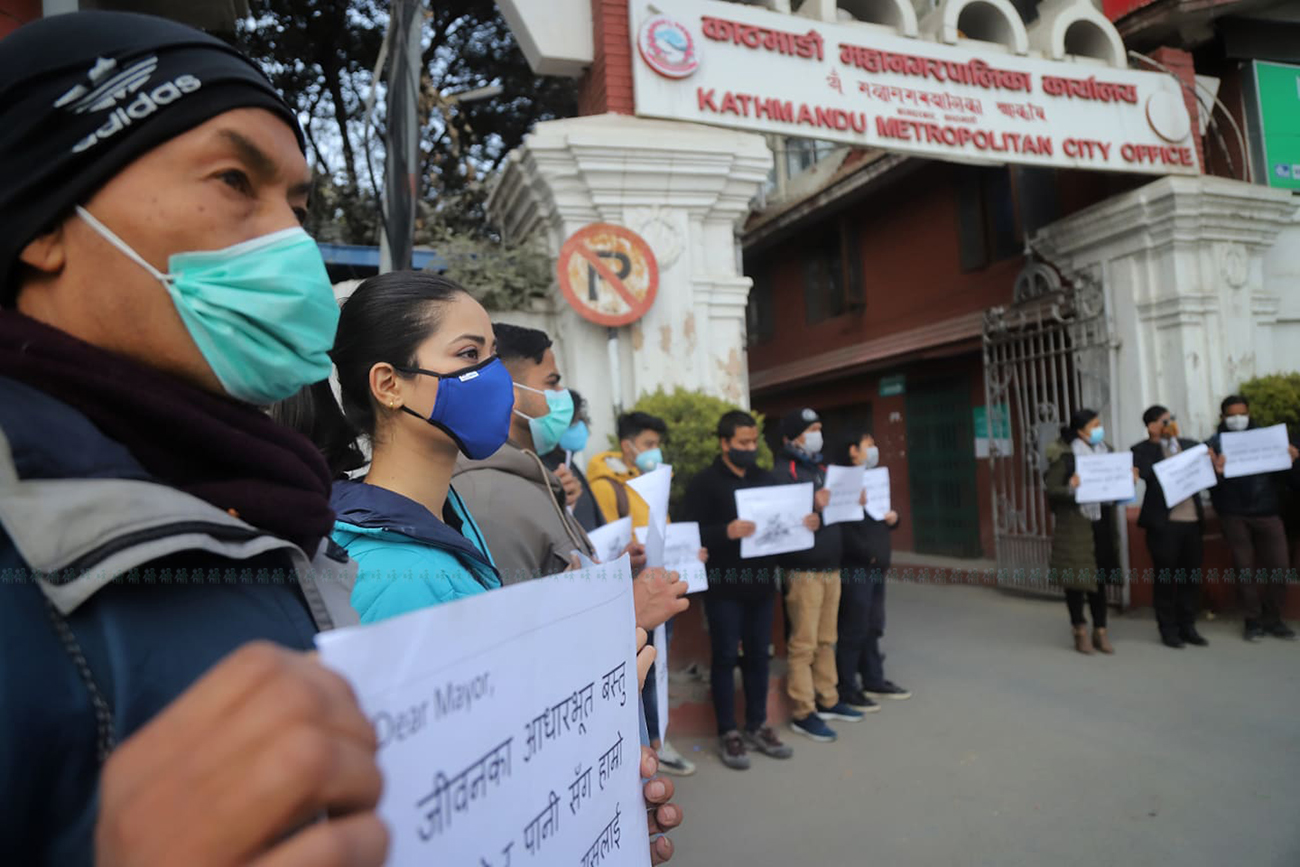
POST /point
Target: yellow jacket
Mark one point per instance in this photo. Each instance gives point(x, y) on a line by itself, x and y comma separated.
point(607, 474)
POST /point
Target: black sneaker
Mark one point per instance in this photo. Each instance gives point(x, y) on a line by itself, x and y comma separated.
point(1173, 641)
point(888, 689)
point(1281, 630)
point(1191, 636)
point(731, 749)
point(859, 702)
point(1253, 632)
point(766, 742)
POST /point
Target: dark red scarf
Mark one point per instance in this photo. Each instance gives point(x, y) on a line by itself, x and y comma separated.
point(225, 452)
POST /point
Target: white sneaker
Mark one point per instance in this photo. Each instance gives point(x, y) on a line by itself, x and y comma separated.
point(673, 762)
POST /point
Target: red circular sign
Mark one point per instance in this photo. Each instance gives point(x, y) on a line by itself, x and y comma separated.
point(667, 47)
point(608, 274)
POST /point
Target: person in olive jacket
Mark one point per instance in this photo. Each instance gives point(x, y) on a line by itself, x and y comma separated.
point(1173, 534)
point(1084, 554)
point(865, 563)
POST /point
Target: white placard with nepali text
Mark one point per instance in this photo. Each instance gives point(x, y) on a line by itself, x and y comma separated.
point(778, 512)
point(875, 482)
point(1185, 475)
point(845, 485)
point(508, 724)
point(682, 554)
point(1104, 478)
point(1251, 452)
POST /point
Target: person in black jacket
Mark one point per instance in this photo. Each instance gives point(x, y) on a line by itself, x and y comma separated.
point(1173, 534)
point(862, 598)
point(812, 599)
point(1249, 509)
point(742, 593)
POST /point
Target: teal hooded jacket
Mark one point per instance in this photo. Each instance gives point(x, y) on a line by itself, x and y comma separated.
point(407, 558)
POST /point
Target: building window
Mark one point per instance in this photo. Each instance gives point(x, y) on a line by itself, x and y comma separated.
point(832, 274)
point(986, 216)
point(759, 315)
point(802, 154)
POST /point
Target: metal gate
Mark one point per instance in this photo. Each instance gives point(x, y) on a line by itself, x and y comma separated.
point(1045, 356)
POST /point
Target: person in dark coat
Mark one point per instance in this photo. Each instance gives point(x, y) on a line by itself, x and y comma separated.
point(572, 443)
point(865, 563)
point(1084, 554)
point(741, 598)
point(1173, 534)
point(1250, 509)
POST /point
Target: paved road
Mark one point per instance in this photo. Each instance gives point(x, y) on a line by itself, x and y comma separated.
point(1018, 751)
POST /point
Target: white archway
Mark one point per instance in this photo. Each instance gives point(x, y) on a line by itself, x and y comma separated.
point(993, 21)
point(1075, 28)
point(897, 15)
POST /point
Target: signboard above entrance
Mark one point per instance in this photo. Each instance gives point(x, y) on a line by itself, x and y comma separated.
point(608, 274)
point(739, 66)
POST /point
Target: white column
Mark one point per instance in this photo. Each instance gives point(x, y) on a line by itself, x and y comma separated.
point(685, 188)
point(1193, 309)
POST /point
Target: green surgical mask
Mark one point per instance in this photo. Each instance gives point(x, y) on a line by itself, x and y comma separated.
point(548, 429)
point(262, 313)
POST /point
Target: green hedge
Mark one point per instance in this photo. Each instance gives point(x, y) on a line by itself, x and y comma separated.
point(692, 444)
point(1274, 399)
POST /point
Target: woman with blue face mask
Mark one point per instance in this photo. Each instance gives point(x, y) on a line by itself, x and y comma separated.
point(420, 381)
point(1084, 552)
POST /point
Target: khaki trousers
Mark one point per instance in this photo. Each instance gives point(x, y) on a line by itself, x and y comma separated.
point(813, 606)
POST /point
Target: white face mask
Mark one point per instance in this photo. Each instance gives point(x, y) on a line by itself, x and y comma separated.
point(1236, 422)
point(873, 457)
point(812, 442)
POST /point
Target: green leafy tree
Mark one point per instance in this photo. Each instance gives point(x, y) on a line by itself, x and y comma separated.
point(692, 444)
point(1274, 399)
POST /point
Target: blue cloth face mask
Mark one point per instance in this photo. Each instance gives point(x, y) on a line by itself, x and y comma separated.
point(472, 406)
point(548, 429)
point(262, 313)
point(1098, 434)
point(649, 459)
point(575, 438)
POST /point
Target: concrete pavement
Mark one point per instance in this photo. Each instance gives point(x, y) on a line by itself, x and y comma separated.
point(1018, 752)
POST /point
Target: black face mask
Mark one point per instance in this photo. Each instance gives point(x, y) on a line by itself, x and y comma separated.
point(743, 458)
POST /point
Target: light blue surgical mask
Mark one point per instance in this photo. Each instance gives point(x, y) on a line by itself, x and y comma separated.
point(649, 459)
point(575, 438)
point(262, 313)
point(548, 429)
point(1097, 436)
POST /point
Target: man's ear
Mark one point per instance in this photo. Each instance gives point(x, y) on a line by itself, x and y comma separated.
point(46, 253)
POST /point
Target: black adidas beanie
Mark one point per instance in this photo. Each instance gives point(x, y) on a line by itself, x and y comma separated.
point(82, 95)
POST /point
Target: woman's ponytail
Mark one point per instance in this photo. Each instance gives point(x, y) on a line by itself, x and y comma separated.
point(315, 414)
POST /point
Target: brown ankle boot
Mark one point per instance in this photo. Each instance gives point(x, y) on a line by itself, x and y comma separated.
point(1081, 642)
point(1101, 642)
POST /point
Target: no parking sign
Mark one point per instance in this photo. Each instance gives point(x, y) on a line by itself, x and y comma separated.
point(608, 274)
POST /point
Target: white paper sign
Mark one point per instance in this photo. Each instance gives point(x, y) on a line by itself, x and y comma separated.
point(612, 539)
point(654, 487)
point(1104, 478)
point(876, 483)
point(1251, 452)
point(1185, 474)
point(508, 723)
point(682, 554)
point(778, 511)
point(845, 485)
point(661, 678)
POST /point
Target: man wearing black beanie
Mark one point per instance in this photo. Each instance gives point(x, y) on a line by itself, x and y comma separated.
point(160, 536)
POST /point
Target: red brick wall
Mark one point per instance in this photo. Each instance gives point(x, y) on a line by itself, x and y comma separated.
point(15, 13)
point(1180, 63)
point(607, 85)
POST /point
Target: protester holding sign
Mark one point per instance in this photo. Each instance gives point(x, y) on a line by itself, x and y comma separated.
point(1249, 509)
point(1084, 553)
point(1173, 534)
point(858, 660)
point(741, 598)
point(158, 289)
point(812, 600)
point(419, 377)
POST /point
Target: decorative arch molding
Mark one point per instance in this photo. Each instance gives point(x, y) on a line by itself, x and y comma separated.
point(994, 21)
point(898, 16)
point(1074, 28)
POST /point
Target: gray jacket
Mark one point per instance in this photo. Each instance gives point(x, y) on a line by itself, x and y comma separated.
point(519, 505)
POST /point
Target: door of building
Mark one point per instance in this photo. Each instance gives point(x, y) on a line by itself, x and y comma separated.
point(1045, 356)
point(941, 468)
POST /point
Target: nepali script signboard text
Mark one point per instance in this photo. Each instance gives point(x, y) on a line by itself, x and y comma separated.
point(508, 724)
point(748, 68)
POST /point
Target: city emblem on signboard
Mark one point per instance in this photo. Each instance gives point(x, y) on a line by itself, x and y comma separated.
point(668, 47)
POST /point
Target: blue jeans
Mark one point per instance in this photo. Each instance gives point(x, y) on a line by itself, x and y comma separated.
point(734, 622)
point(650, 694)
